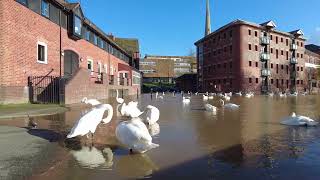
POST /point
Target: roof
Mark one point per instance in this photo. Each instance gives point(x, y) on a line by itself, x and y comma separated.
point(270, 24)
point(129, 44)
point(242, 22)
point(187, 76)
point(313, 48)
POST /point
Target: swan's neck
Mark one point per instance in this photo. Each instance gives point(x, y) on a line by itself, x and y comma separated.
point(117, 93)
point(109, 117)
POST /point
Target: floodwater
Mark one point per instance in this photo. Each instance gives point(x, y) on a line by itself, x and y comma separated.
point(248, 143)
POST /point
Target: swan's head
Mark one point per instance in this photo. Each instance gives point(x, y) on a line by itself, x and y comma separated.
point(84, 99)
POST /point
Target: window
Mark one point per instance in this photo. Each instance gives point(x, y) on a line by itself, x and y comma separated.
point(256, 64)
point(34, 5)
point(95, 39)
point(277, 68)
point(249, 46)
point(281, 52)
point(298, 55)
point(249, 32)
point(282, 82)
point(287, 55)
point(257, 80)
point(256, 47)
point(301, 81)
point(301, 68)
point(282, 66)
point(250, 80)
point(277, 83)
point(297, 68)
point(297, 81)
point(301, 55)
point(301, 44)
point(45, 8)
point(277, 53)
point(231, 49)
point(54, 14)
point(256, 33)
point(90, 65)
point(230, 34)
point(271, 81)
point(276, 39)
point(281, 39)
point(77, 25)
point(287, 42)
point(250, 63)
point(63, 20)
point(88, 35)
point(271, 66)
point(23, 2)
point(271, 37)
point(287, 69)
point(42, 50)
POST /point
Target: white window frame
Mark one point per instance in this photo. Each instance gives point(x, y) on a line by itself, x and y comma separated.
point(100, 67)
point(45, 52)
point(105, 66)
point(92, 69)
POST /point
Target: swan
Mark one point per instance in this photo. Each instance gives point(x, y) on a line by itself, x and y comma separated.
point(91, 157)
point(196, 93)
point(154, 129)
point(186, 99)
point(282, 94)
point(119, 100)
point(248, 95)
point(205, 97)
point(153, 115)
point(160, 97)
point(238, 94)
point(295, 120)
point(163, 94)
point(229, 105)
point(227, 98)
point(304, 93)
point(157, 94)
point(295, 94)
point(135, 136)
point(210, 97)
point(92, 102)
point(228, 94)
point(271, 94)
point(210, 108)
point(90, 121)
point(130, 110)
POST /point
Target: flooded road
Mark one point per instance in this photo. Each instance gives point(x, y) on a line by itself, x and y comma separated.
point(248, 143)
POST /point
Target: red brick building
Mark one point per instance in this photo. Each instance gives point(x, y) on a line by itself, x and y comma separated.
point(244, 56)
point(35, 34)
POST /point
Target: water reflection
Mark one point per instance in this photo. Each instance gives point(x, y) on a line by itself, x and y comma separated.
point(91, 157)
point(135, 166)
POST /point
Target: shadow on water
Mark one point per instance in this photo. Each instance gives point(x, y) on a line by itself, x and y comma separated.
point(46, 134)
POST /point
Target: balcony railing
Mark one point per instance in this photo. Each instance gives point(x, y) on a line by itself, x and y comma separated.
point(294, 47)
point(265, 40)
point(265, 72)
point(265, 57)
point(293, 60)
point(293, 75)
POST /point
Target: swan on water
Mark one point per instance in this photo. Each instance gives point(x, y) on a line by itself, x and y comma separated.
point(153, 115)
point(296, 120)
point(229, 105)
point(205, 97)
point(157, 94)
point(119, 100)
point(130, 110)
point(227, 98)
point(134, 135)
point(92, 102)
point(210, 108)
point(238, 94)
point(90, 121)
point(186, 99)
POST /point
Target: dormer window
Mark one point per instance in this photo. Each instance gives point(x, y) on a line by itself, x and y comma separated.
point(77, 26)
point(45, 8)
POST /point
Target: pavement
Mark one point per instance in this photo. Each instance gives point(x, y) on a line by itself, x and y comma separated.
point(31, 110)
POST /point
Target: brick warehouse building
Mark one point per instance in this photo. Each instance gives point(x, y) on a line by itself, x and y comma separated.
point(243, 56)
point(32, 43)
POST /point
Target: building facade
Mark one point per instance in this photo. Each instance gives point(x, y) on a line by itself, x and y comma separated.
point(244, 56)
point(187, 83)
point(166, 69)
point(53, 38)
point(312, 66)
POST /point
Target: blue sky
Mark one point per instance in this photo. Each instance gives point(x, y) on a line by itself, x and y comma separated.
point(170, 27)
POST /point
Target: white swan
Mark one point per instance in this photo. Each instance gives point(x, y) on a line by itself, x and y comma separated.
point(157, 94)
point(93, 102)
point(154, 129)
point(248, 95)
point(210, 108)
point(238, 94)
point(90, 121)
point(205, 97)
point(186, 99)
point(135, 136)
point(295, 120)
point(153, 115)
point(282, 95)
point(130, 110)
point(227, 98)
point(271, 94)
point(119, 100)
point(229, 105)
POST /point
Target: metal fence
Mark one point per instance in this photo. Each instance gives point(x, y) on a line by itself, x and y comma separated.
point(46, 89)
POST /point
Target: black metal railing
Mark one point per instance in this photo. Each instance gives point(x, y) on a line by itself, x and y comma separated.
point(46, 89)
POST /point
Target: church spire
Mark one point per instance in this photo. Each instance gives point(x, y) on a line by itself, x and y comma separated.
point(208, 21)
